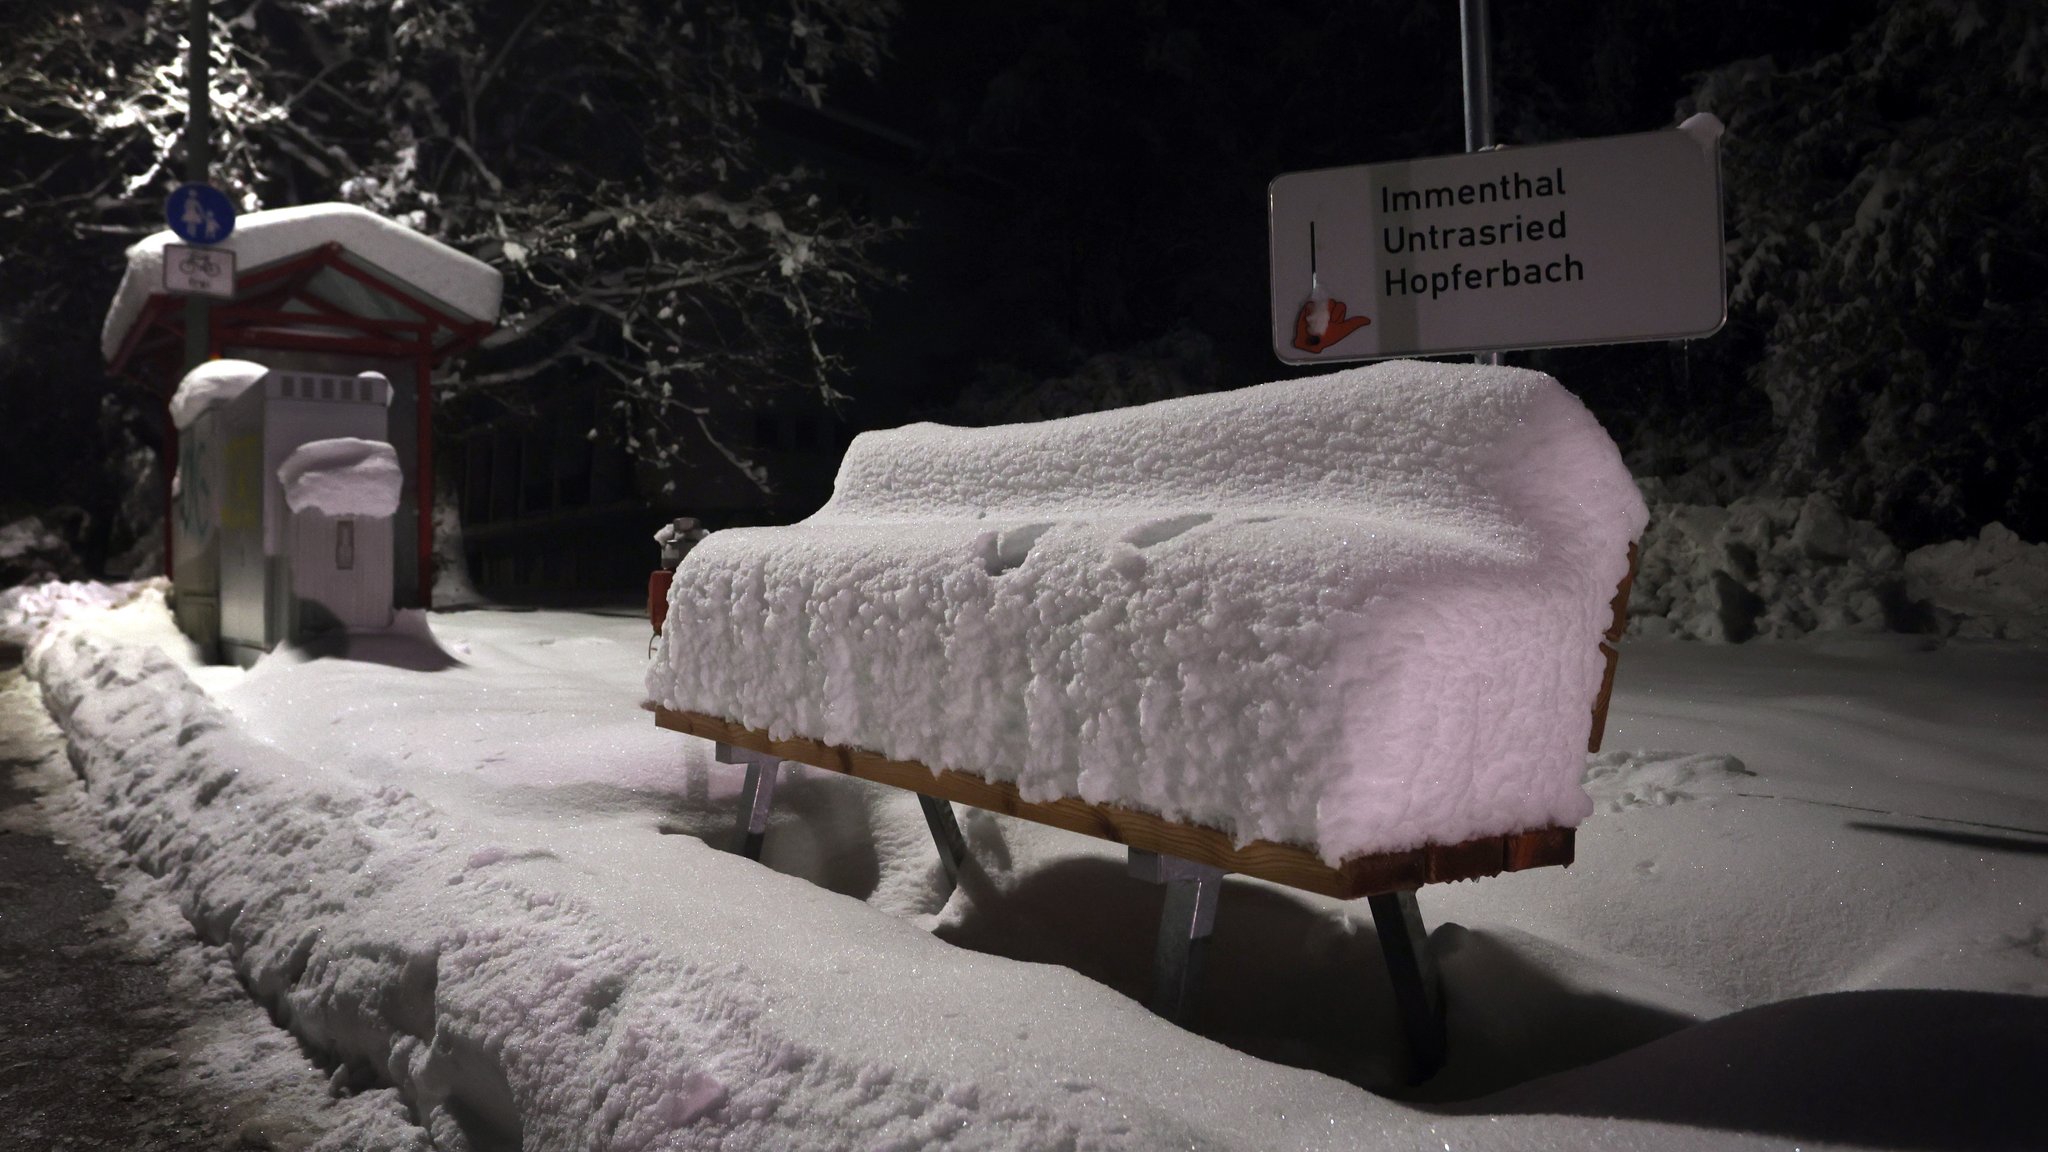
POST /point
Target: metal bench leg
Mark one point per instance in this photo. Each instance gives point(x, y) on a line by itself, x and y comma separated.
point(1184, 926)
point(1418, 988)
point(757, 796)
point(946, 834)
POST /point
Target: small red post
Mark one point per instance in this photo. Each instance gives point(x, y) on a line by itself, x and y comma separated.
point(658, 583)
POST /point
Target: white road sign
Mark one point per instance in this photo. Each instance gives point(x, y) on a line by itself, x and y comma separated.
point(1586, 242)
point(193, 271)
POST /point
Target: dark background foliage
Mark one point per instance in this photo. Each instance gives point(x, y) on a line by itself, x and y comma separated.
point(1084, 184)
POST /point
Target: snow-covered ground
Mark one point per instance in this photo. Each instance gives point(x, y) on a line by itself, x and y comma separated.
point(470, 875)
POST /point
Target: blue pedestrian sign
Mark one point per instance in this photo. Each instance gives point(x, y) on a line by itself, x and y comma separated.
point(200, 214)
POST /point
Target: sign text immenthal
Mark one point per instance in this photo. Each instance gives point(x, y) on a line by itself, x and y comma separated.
point(1513, 186)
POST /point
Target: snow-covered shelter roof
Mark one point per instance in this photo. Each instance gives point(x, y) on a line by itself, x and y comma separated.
point(1360, 612)
point(323, 269)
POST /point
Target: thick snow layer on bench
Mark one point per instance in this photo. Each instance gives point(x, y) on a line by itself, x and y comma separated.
point(1359, 612)
point(342, 477)
point(455, 279)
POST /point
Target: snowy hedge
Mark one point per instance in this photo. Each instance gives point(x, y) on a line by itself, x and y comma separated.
point(1782, 568)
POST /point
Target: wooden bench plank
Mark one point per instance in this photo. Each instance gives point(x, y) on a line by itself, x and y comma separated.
point(1287, 864)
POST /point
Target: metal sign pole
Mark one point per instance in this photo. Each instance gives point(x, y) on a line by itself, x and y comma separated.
point(1478, 45)
point(198, 160)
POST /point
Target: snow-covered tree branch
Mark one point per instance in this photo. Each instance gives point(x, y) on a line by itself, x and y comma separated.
point(1889, 244)
point(601, 153)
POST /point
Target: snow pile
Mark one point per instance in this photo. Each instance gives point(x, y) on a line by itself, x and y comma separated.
point(1995, 586)
point(136, 541)
point(1359, 612)
point(200, 1047)
point(492, 965)
point(344, 476)
point(26, 611)
point(464, 284)
point(212, 383)
point(677, 537)
point(453, 587)
point(1782, 568)
point(31, 553)
point(1763, 568)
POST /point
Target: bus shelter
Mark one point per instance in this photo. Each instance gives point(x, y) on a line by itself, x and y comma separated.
point(333, 290)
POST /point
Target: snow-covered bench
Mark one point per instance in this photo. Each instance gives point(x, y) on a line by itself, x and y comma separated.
point(1347, 633)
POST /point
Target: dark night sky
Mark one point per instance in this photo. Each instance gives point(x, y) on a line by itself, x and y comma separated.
point(1113, 158)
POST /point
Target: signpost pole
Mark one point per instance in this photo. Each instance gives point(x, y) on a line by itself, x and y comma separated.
point(198, 160)
point(198, 311)
point(1478, 45)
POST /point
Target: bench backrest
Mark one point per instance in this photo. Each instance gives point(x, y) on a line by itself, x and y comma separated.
point(1448, 446)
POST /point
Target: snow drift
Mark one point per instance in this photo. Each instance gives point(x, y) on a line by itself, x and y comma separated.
point(1995, 586)
point(1778, 568)
point(404, 954)
point(1359, 612)
point(33, 551)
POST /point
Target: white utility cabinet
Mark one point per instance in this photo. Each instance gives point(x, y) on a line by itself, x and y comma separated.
point(237, 423)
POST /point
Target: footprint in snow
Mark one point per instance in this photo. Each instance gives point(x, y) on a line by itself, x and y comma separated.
point(1618, 781)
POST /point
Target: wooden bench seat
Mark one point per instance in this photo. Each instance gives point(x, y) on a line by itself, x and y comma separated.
point(1333, 617)
point(1286, 864)
point(1388, 880)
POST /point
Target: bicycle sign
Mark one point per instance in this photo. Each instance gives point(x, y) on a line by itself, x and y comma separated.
point(191, 271)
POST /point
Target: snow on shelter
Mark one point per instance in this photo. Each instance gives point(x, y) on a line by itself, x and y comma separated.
point(324, 293)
